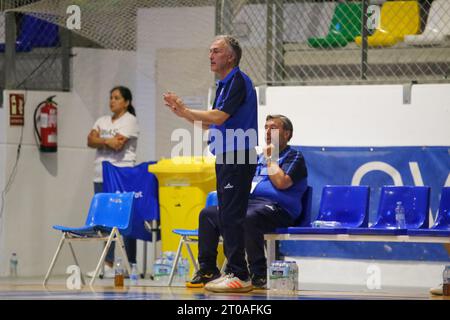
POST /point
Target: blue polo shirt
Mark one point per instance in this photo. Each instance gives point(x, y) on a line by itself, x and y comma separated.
point(291, 161)
point(236, 96)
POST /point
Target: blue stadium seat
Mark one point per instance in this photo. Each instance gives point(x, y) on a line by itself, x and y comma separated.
point(34, 32)
point(346, 205)
point(441, 226)
point(416, 201)
point(39, 33)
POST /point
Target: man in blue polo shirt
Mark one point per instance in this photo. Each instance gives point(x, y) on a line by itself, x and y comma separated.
point(275, 202)
point(232, 125)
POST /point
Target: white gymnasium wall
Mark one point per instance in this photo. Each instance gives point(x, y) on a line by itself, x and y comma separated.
point(372, 115)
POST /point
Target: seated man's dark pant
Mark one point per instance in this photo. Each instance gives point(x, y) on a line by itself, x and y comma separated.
point(262, 217)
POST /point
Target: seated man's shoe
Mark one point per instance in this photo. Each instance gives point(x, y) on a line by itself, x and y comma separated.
point(201, 278)
point(437, 291)
point(108, 274)
point(229, 284)
point(259, 282)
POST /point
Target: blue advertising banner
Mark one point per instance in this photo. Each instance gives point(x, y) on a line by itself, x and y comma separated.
point(375, 167)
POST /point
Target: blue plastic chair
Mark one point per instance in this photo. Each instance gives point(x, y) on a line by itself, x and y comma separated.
point(146, 204)
point(34, 32)
point(441, 226)
point(415, 200)
point(346, 205)
point(109, 218)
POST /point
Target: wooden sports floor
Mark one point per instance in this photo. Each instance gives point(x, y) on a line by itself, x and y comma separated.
point(103, 289)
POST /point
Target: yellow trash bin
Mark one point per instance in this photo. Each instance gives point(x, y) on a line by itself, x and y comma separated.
point(184, 184)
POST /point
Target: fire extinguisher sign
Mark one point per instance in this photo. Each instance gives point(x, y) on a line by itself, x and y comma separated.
point(16, 109)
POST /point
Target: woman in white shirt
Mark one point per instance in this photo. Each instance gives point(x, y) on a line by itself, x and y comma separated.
point(115, 138)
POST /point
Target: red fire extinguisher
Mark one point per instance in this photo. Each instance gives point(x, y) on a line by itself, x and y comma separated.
point(46, 114)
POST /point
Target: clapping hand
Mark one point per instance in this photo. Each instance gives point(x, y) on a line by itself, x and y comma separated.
point(175, 104)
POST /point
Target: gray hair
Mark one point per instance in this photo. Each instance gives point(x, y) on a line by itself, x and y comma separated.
point(234, 46)
point(287, 124)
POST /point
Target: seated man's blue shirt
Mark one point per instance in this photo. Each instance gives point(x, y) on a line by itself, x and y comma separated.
point(291, 161)
point(236, 96)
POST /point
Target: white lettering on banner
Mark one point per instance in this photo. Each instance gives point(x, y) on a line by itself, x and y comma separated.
point(377, 166)
point(137, 194)
point(447, 182)
point(374, 280)
point(73, 282)
point(395, 175)
point(415, 172)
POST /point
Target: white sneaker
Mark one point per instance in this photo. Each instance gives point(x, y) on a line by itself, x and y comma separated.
point(108, 274)
point(229, 284)
point(437, 291)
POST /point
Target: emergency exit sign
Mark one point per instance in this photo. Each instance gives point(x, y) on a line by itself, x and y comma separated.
point(16, 109)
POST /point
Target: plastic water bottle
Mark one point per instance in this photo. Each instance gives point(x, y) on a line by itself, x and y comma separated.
point(162, 268)
point(400, 216)
point(446, 281)
point(134, 275)
point(156, 272)
point(273, 276)
point(293, 272)
point(187, 267)
point(118, 274)
point(183, 271)
point(280, 279)
point(168, 259)
point(13, 262)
